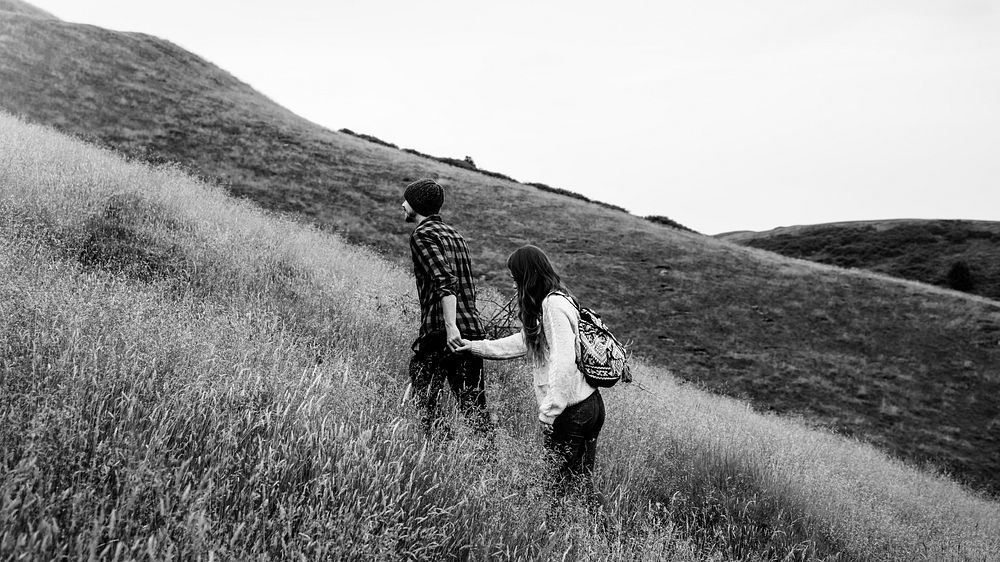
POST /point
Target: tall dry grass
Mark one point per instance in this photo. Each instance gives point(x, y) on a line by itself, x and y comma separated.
point(185, 376)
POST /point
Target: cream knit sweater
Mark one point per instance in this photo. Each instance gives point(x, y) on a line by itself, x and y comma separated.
point(558, 382)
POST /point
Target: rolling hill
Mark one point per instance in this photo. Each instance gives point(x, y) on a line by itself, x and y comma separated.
point(961, 255)
point(907, 367)
point(186, 376)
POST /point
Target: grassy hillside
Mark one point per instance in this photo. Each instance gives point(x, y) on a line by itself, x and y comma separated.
point(184, 375)
point(23, 8)
point(961, 255)
point(903, 366)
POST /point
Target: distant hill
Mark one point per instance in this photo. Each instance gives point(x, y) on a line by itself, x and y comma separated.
point(960, 255)
point(901, 365)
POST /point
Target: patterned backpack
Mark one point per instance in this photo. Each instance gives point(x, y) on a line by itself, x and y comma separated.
point(601, 358)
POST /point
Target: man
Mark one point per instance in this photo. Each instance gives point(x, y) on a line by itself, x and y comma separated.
point(448, 312)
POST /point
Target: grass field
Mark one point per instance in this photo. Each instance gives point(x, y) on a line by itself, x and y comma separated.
point(183, 375)
point(900, 365)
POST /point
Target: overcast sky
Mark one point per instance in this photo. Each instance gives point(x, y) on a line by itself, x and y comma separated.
point(723, 115)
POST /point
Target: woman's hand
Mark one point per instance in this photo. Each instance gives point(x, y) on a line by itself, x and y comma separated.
point(473, 347)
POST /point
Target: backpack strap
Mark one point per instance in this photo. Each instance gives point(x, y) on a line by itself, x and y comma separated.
point(567, 297)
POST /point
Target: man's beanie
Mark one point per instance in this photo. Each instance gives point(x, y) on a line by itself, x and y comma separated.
point(425, 197)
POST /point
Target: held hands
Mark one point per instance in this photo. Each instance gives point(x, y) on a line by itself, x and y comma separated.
point(454, 337)
point(465, 346)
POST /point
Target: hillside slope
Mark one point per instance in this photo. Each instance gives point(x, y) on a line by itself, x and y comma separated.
point(903, 366)
point(23, 8)
point(962, 255)
point(186, 376)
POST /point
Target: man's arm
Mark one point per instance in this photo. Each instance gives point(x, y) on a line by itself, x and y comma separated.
point(445, 283)
point(449, 307)
point(442, 273)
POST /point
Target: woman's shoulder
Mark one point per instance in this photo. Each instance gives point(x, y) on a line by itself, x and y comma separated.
point(559, 300)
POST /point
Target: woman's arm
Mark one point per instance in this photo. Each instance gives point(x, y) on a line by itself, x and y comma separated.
point(509, 347)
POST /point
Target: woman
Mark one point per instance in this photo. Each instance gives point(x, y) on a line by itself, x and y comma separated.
point(571, 412)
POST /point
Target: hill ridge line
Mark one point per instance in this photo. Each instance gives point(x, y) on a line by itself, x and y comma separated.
point(20, 8)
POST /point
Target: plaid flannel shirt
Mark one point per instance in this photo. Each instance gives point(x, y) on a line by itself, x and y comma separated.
point(442, 267)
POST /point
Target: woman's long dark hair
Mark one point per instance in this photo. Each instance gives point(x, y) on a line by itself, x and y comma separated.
point(535, 278)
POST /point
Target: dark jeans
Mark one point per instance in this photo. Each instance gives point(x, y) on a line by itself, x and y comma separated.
point(464, 373)
point(572, 445)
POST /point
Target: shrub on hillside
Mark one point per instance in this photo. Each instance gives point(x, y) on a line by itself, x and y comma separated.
point(957, 235)
point(558, 190)
point(497, 175)
point(666, 221)
point(960, 277)
point(574, 195)
point(369, 138)
point(466, 163)
point(611, 206)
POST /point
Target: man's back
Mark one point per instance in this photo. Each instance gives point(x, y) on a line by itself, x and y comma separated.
point(448, 312)
point(442, 266)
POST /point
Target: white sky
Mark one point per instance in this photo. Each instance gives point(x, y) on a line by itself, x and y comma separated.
point(720, 114)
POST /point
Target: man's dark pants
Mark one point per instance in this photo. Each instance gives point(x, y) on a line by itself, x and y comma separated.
point(430, 368)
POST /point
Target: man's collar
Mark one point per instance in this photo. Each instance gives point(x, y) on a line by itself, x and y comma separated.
point(432, 218)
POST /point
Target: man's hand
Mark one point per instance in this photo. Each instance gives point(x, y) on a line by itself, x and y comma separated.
point(472, 347)
point(454, 337)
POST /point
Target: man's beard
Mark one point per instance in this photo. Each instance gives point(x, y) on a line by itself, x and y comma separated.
point(411, 217)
